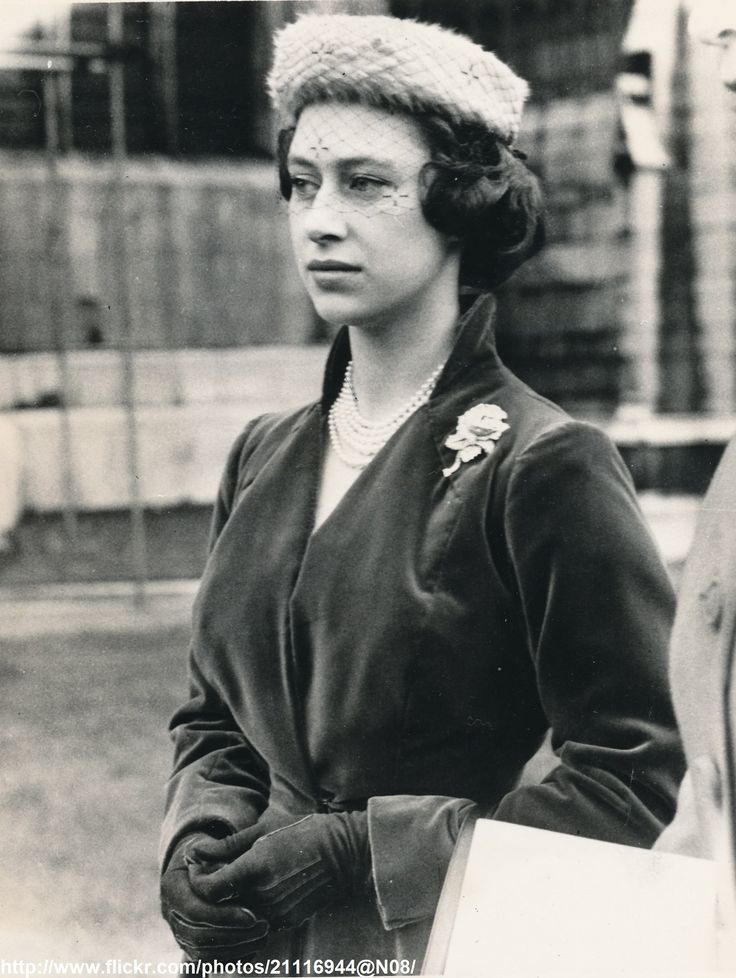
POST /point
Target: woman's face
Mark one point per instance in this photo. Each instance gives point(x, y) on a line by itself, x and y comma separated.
point(364, 250)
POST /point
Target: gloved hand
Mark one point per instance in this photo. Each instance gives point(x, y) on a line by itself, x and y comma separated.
point(203, 930)
point(216, 852)
point(290, 872)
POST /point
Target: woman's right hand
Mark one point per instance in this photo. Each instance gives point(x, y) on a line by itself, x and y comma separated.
point(286, 872)
point(206, 931)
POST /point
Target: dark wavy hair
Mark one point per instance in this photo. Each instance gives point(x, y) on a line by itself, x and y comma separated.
point(474, 188)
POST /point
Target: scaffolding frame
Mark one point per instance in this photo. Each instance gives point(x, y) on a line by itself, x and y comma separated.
point(56, 61)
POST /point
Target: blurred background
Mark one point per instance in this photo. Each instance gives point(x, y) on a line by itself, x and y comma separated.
point(149, 307)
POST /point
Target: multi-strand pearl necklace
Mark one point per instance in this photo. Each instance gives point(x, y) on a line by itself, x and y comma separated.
point(356, 440)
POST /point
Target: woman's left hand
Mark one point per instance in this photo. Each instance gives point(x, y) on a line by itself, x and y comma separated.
point(290, 873)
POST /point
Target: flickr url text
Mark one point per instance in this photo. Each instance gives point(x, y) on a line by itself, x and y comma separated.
point(118, 968)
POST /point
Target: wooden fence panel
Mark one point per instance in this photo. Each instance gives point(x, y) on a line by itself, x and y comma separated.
point(207, 257)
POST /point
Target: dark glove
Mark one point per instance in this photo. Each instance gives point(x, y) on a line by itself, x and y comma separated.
point(291, 872)
point(216, 852)
point(205, 931)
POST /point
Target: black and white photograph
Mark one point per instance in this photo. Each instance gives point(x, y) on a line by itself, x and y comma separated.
point(367, 501)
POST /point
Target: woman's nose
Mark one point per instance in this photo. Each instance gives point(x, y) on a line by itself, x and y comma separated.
point(325, 218)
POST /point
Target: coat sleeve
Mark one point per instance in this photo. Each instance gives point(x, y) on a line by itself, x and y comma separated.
point(596, 607)
point(219, 783)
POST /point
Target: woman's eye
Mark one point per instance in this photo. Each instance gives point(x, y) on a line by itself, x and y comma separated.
point(303, 187)
point(370, 187)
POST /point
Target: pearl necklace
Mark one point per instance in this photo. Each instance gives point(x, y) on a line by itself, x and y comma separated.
point(356, 440)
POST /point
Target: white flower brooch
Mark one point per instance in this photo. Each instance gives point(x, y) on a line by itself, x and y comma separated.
point(477, 431)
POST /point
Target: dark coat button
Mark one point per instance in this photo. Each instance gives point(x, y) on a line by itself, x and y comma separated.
point(324, 801)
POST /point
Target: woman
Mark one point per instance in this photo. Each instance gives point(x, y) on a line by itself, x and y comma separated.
point(411, 581)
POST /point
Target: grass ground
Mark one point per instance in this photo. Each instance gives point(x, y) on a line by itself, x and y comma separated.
point(85, 755)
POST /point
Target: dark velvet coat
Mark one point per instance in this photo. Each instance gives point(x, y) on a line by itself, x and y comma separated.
point(413, 651)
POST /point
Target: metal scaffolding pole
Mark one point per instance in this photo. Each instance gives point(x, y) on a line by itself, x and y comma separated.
point(52, 58)
point(119, 151)
point(59, 306)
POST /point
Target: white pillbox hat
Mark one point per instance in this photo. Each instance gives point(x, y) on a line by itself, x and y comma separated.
point(401, 63)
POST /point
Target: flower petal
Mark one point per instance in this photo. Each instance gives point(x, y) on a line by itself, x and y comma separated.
point(469, 453)
point(458, 441)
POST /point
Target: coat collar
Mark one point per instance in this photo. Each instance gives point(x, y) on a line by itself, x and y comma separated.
point(474, 341)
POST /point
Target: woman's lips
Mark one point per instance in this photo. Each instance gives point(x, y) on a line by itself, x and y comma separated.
point(333, 276)
point(331, 266)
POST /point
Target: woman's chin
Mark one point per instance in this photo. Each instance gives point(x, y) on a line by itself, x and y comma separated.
point(339, 310)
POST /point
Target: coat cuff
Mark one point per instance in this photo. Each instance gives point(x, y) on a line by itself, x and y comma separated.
point(411, 839)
